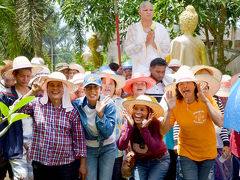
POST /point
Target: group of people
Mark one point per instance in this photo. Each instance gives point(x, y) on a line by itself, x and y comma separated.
point(159, 120)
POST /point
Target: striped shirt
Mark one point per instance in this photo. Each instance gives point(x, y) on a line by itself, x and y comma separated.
point(58, 136)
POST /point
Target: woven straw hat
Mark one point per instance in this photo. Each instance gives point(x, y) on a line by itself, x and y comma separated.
point(78, 78)
point(174, 63)
point(212, 82)
point(119, 79)
point(22, 62)
point(138, 77)
point(214, 71)
point(144, 100)
point(77, 67)
point(58, 76)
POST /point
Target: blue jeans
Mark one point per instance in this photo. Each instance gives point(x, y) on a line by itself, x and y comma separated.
point(195, 170)
point(100, 162)
point(152, 170)
point(235, 167)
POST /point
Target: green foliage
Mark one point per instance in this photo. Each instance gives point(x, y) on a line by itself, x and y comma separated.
point(10, 115)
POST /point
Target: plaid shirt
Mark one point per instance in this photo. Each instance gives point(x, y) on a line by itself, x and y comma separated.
point(58, 136)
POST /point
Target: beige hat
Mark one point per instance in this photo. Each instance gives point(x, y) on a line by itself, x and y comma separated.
point(144, 100)
point(62, 66)
point(22, 62)
point(212, 82)
point(174, 63)
point(58, 76)
point(119, 79)
point(77, 67)
point(214, 71)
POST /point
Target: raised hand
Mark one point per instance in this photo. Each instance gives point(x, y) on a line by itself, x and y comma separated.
point(38, 84)
point(150, 38)
point(145, 123)
point(101, 104)
point(170, 100)
point(128, 117)
point(200, 94)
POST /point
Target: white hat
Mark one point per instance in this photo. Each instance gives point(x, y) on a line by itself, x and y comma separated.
point(58, 76)
point(174, 63)
point(119, 79)
point(184, 74)
point(144, 100)
point(78, 78)
point(21, 62)
point(37, 60)
point(77, 67)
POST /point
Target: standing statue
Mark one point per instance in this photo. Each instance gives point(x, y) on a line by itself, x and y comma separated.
point(93, 55)
point(187, 49)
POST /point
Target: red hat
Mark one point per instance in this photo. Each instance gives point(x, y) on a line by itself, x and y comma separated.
point(138, 77)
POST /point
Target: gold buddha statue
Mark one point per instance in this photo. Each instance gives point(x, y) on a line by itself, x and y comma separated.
point(187, 49)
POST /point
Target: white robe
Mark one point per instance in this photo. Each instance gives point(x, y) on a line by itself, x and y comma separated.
point(141, 55)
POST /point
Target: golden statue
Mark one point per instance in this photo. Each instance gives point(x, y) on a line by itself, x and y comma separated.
point(93, 55)
point(187, 49)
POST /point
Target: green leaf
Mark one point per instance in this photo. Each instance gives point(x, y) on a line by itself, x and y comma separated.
point(2, 7)
point(4, 130)
point(22, 103)
point(17, 116)
point(4, 109)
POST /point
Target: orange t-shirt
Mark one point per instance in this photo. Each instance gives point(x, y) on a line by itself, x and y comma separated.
point(197, 137)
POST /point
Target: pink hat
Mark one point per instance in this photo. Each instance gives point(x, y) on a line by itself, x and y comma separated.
point(224, 90)
point(138, 77)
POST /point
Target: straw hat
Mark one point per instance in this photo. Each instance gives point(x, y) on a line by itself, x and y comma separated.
point(61, 66)
point(77, 67)
point(184, 74)
point(119, 79)
point(78, 78)
point(214, 71)
point(58, 76)
point(21, 62)
point(44, 72)
point(224, 90)
point(212, 82)
point(144, 100)
point(174, 63)
point(138, 77)
point(234, 79)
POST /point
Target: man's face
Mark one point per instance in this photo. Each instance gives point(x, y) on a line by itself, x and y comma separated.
point(55, 90)
point(174, 68)
point(65, 72)
point(158, 72)
point(146, 12)
point(139, 88)
point(23, 77)
point(108, 88)
point(92, 92)
point(72, 72)
point(127, 73)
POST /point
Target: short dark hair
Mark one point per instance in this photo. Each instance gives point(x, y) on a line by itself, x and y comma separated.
point(158, 62)
point(113, 66)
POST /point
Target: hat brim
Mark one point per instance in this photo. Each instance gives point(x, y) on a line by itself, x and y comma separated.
point(149, 81)
point(35, 69)
point(119, 79)
point(157, 108)
point(92, 83)
point(216, 73)
point(213, 83)
point(72, 87)
point(172, 87)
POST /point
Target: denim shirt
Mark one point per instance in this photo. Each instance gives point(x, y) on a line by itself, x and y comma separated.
point(11, 143)
point(105, 126)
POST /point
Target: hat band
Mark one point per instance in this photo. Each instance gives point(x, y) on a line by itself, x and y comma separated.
point(185, 79)
point(174, 65)
point(224, 89)
point(22, 66)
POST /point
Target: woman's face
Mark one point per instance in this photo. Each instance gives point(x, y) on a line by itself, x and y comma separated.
point(139, 88)
point(140, 113)
point(187, 89)
point(108, 88)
